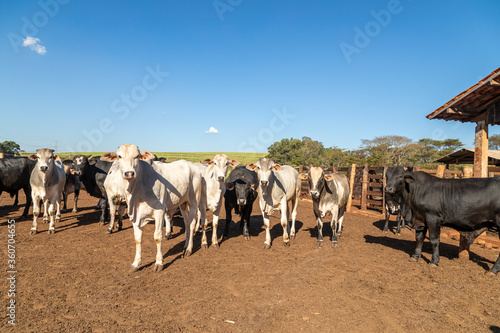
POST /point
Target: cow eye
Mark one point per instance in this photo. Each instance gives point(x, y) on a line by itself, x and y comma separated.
point(119, 156)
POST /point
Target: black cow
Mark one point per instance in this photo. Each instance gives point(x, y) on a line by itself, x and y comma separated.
point(241, 192)
point(467, 205)
point(72, 185)
point(92, 173)
point(395, 196)
point(15, 175)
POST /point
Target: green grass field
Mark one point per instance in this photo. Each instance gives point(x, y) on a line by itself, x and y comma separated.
point(243, 158)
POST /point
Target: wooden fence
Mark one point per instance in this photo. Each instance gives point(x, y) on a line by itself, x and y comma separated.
point(367, 184)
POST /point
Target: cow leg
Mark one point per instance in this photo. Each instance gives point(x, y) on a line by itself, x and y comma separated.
point(138, 246)
point(295, 203)
point(245, 219)
point(75, 206)
point(267, 242)
point(27, 192)
point(419, 238)
point(202, 219)
point(104, 203)
point(228, 219)
point(65, 198)
point(36, 212)
point(168, 224)
point(434, 233)
point(215, 224)
point(387, 216)
point(284, 223)
point(466, 239)
point(16, 199)
point(158, 214)
point(320, 228)
point(52, 213)
point(333, 224)
point(121, 211)
point(45, 212)
point(341, 219)
point(112, 213)
point(189, 214)
point(398, 220)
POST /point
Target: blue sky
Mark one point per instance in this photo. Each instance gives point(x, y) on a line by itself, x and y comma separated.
point(160, 74)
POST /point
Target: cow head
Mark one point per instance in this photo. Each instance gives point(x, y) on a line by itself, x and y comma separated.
point(45, 158)
point(264, 169)
point(316, 177)
point(80, 164)
point(243, 190)
point(394, 179)
point(128, 157)
point(218, 166)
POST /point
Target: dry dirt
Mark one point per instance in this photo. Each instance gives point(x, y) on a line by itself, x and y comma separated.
point(77, 280)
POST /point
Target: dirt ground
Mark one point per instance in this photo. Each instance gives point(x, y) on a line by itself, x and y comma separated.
point(78, 280)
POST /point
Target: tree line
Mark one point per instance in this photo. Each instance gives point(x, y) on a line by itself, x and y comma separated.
point(391, 150)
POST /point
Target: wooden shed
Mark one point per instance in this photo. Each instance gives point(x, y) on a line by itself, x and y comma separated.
point(466, 156)
point(479, 104)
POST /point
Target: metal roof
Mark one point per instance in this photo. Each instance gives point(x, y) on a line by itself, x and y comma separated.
point(466, 156)
point(471, 105)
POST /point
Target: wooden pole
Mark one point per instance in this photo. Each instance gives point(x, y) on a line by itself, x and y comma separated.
point(440, 170)
point(467, 170)
point(351, 187)
point(481, 150)
point(364, 187)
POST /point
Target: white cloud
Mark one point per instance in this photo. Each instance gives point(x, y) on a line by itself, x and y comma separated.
point(212, 130)
point(34, 44)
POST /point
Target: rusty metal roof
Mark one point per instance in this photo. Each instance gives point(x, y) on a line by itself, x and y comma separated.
point(472, 104)
point(466, 156)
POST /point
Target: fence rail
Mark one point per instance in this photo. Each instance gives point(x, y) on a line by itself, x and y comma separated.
point(367, 184)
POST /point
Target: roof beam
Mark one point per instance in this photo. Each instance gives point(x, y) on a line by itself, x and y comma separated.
point(494, 83)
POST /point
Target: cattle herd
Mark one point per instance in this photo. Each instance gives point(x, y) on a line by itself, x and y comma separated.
point(152, 190)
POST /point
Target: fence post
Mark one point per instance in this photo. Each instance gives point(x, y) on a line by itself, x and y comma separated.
point(467, 171)
point(352, 176)
point(440, 170)
point(301, 168)
point(364, 187)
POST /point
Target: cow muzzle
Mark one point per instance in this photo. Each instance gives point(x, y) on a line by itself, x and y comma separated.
point(242, 202)
point(264, 183)
point(129, 175)
point(315, 194)
point(220, 179)
point(390, 190)
point(44, 168)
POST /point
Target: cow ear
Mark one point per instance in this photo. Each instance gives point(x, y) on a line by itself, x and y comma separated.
point(88, 156)
point(409, 179)
point(304, 176)
point(33, 157)
point(277, 167)
point(252, 167)
point(208, 161)
point(233, 163)
point(329, 177)
point(229, 186)
point(146, 155)
point(56, 157)
point(109, 157)
point(408, 169)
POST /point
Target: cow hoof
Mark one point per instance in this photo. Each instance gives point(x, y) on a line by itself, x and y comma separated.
point(490, 273)
point(133, 269)
point(215, 246)
point(339, 234)
point(320, 244)
point(119, 228)
point(292, 236)
point(267, 246)
point(412, 259)
point(158, 267)
point(32, 231)
point(335, 245)
point(101, 223)
point(286, 244)
point(433, 265)
point(168, 236)
point(385, 231)
point(205, 246)
point(247, 238)
point(186, 254)
point(51, 231)
point(75, 211)
point(109, 231)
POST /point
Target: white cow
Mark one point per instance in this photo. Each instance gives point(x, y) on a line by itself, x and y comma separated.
point(116, 188)
point(213, 189)
point(154, 192)
point(329, 194)
point(278, 185)
point(47, 182)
